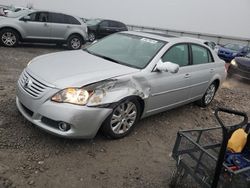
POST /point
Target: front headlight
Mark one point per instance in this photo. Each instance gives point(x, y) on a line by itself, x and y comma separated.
point(235, 53)
point(79, 96)
point(233, 62)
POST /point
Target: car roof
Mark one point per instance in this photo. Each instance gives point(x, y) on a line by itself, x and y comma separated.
point(165, 37)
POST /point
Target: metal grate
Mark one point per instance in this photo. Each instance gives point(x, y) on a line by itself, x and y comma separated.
point(31, 85)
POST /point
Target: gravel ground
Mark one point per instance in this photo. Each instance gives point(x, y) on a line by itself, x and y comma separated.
point(30, 157)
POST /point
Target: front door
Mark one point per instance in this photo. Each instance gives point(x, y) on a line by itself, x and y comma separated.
point(37, 27)
point(169, 90)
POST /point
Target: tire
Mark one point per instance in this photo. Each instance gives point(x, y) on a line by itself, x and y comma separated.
point(208, 96)
point(92, 37)
point(122, 120)
point(74, 42)
point(9, 37)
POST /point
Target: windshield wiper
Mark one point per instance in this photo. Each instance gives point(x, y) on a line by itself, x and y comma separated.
point(104, 57)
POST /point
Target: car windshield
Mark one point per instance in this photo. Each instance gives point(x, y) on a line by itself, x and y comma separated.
point(126, 49)
point(93, 22)
point(18, 14)
point(234, 47)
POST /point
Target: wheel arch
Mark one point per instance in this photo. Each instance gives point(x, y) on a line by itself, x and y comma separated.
point(12, 28)
point(77, 34)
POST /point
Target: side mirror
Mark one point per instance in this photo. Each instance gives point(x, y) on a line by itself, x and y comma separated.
point(167, 67)
point(26, 18)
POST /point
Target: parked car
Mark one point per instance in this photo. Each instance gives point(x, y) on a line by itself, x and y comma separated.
point(98, 28)
point(116, 81)
point(230, 51)
point(42, 26)
point(240, 67)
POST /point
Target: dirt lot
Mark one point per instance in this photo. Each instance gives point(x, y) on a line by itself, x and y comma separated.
point(30, 157)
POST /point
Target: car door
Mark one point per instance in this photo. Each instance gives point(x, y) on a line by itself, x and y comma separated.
point(104, 28)
point(37, 27)
point(58, 26)
point(169, 90)
point(203, 69)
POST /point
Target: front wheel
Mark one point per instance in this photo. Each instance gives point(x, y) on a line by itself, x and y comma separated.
point(74, 42)
point(9, 37)
point(208, 96)
point(122, 120)
point(92, 37)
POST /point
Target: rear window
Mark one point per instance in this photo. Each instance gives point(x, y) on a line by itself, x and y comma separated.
point(63, 19)
point(201, 55)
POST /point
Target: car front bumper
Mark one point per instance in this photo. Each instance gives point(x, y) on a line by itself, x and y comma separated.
point(237, 72)
point(84, 121)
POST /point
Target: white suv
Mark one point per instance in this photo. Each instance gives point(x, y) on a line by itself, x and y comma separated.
point(42, 26)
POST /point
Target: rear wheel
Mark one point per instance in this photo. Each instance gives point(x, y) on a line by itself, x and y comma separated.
point(122, 120)
point(74, 42)
point(208, 96)
point(9, 37)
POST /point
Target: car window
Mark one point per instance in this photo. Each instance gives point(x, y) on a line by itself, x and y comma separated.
point(57, 18)
point(39, 17)
point(104, 24)
point(113, 24)
point(177, 54)
point(71, 20)
point(200, 55)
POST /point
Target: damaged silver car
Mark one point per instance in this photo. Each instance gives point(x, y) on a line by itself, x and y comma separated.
point(116, 81)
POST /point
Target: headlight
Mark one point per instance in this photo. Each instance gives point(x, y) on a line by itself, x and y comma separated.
point(233, 62)
point(93, 93)
point(235, 53)
point(79, 96)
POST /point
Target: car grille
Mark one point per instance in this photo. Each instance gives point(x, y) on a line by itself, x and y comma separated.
point(31, 85)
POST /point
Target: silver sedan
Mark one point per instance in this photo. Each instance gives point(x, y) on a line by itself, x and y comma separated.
point(116, 81)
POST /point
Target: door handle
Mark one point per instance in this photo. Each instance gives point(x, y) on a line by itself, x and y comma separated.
point(45, 24)
point(187, 75)
point(211, 70)
point(68, 26)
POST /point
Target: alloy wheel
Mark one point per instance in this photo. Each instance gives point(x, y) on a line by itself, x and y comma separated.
point(123, 117)
point(210, 94)
point(9, 39)
point(75, 43)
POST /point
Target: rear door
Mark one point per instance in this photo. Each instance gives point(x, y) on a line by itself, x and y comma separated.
point(37, 27)
point(58, 26)
point(61, 24)
point(203, 69)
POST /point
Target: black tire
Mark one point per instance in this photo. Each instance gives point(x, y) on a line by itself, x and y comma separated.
point(125, 119)
point(92, 37)
point(74, 42)
point(9, 37)
point(208, 96)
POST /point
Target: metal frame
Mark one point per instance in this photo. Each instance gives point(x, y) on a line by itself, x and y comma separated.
point(226, 133)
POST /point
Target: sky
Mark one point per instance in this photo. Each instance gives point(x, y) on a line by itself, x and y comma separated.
point(221, 17)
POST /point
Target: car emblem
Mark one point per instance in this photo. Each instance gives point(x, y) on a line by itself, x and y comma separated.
point(27, 83)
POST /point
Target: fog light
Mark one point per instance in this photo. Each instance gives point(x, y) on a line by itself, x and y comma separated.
point(63, 126)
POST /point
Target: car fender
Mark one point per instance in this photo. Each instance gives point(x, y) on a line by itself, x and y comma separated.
point(133, 86)
point(76, 31)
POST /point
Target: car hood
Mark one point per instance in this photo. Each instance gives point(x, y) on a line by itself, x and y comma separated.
point(243, 61)
point(75, 69)
point(227, 50)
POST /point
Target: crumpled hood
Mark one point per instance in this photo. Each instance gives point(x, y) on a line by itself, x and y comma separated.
point(75, 69)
